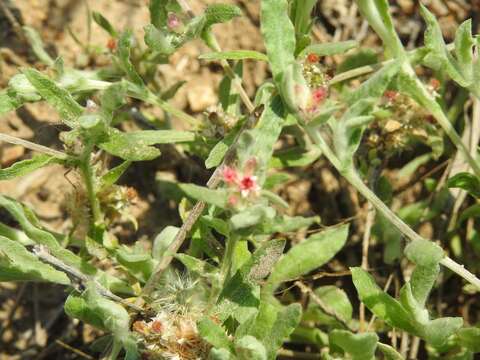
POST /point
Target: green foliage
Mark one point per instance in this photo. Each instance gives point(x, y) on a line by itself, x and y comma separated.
point(24, 167)
point(235, 251)
point(18, 264)
point(467, 182)
point(308, 255)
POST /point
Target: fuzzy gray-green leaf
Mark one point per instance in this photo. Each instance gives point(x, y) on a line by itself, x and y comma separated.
point(308, 255)
point(278, 33)
point(18, 264)
point(57, 97)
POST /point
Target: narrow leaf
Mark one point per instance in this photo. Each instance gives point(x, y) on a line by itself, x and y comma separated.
point(329, 49)
point(59, 98)
point(24, 167)
point(235, 55)
point(18, 264)
point(278, 33)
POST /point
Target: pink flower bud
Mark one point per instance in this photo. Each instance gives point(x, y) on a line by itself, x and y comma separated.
point(232, 200)
point(173, 21)
point(319, 95)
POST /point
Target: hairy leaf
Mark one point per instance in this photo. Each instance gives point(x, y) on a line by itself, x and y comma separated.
point(18, 264)
point(308, 255)
point(24, 167)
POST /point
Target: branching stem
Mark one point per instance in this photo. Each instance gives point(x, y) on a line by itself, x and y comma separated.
point(354, 179)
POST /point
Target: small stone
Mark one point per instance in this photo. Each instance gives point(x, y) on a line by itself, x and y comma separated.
point(200, 97)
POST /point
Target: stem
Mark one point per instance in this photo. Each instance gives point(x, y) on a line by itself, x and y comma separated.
point(89, 178)
point(354, 179)
point(227, 260)
point(32, 146)
point(429, 102)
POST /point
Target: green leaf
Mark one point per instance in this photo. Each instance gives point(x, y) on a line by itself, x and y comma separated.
point(422, 280)
point(37, 45)
point(329, 49)
point(158, 12)
point(377, 14)
point(218, 152)
point(438, 331)
point(360, 346)
point(42, 237)
point(112, 176)
point(235, 55)
point(220, 13)
point(470, 338)
point(467, 182)
point(376, 85)
point(219, 354)
point(114, 318)
point(18, 264)
point(76, 307)
point(158, 40)
point(389, 352)
point(196, 266)
point(125, 44)
point(217, 197)
point(279, 35)
point(136, 261)
point(286, 224)
point(8, 102)
point(262, 261)
point(286, 322)
point(213, 333)
point(163, 240)
point(249, 348)
point(424, 252)
point(57, 97)
point(380, 303)
point(295, 156)
point(438, 50)
point(112, 99)
point(308, 255)
point(252, 216)
point(104, 23)
point(464, 43)
point(336, 299)
point(24, 167)
point(135, 146)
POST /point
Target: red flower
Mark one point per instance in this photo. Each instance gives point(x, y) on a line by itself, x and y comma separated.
point(313, 58)
point(390, 94)
point(112, 44)
point(247, 183)
point(319, 94)
point(157, 326)
point(229, 175)
point(435, 84)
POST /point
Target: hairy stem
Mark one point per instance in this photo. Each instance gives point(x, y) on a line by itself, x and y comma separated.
point(88, 175)
point(354, 179)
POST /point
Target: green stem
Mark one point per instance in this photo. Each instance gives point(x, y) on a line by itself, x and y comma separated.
point(354, 179)
point(89, 178)
point(228, 258)
point(429, 102)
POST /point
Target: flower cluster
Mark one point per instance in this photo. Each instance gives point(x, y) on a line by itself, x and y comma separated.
point(170, 336)
point(242, 185)
point(400, 121)
point(305, 87)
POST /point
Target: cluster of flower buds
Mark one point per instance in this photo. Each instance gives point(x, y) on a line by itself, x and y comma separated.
point(218, 123)
point(400, 121)
point(304, 87)
point(243, 186)
point(170, 336)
